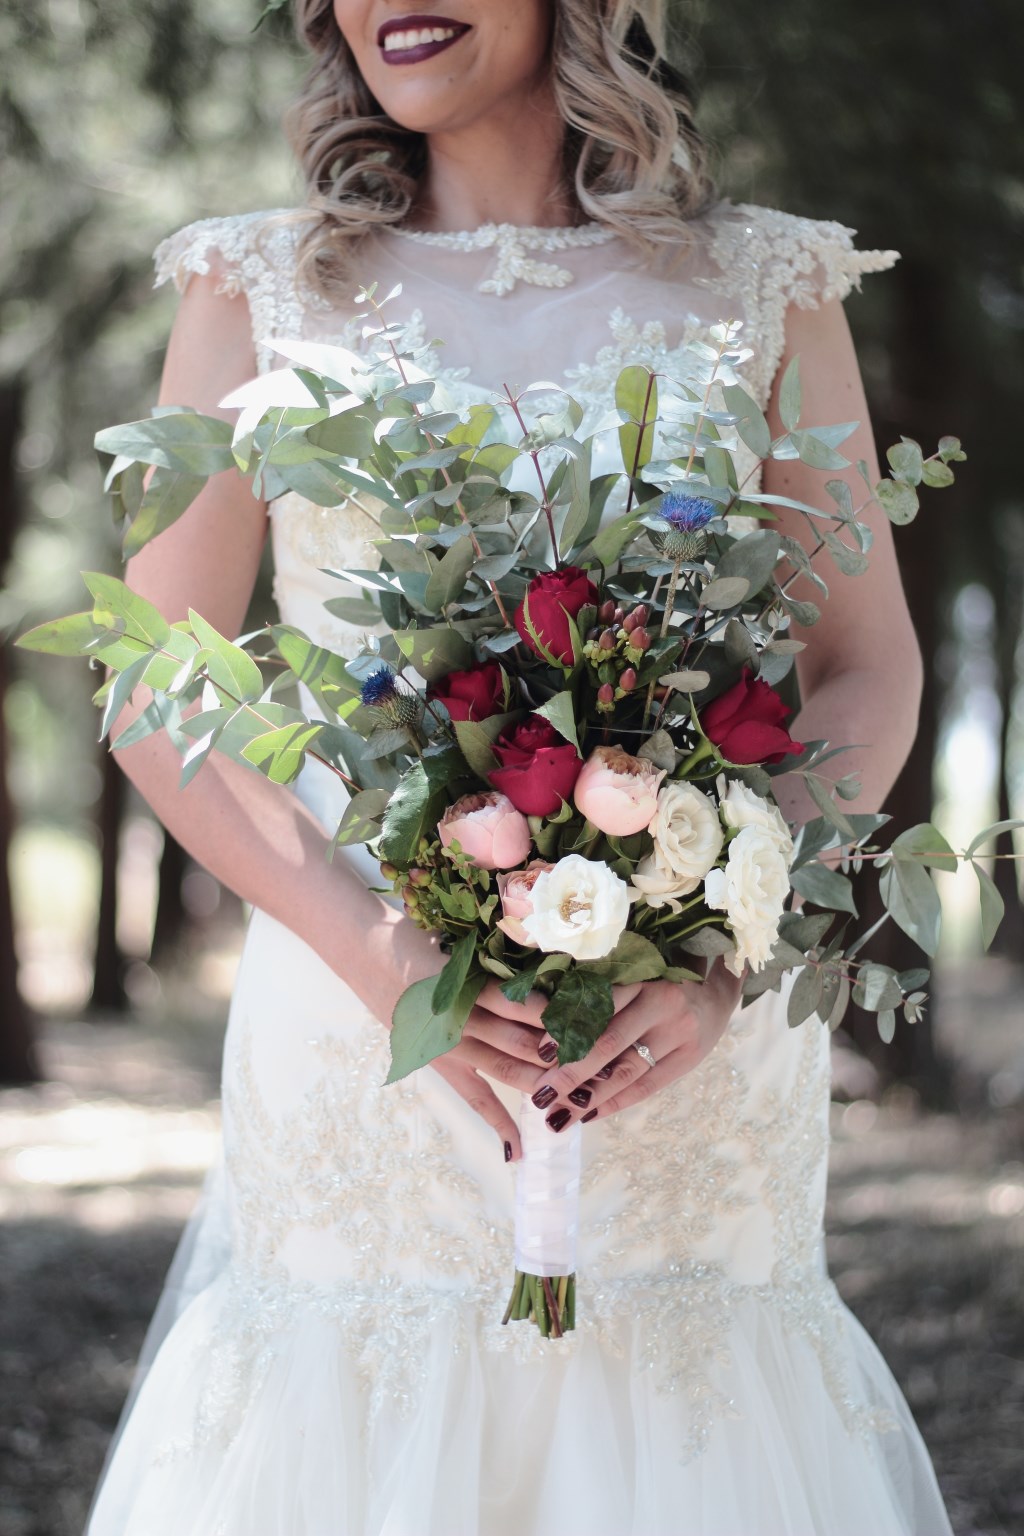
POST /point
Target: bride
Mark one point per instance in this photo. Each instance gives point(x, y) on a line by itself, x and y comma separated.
point(328, 1358)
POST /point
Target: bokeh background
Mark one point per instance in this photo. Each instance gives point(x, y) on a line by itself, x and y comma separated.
point(122, 120)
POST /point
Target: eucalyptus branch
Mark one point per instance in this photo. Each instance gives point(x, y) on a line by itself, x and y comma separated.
point(644, 424)
point(535, 456)
point(433, 441)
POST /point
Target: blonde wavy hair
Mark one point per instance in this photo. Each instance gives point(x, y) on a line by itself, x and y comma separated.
point(633, 155)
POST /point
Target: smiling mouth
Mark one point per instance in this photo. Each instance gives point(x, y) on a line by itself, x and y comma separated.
point(411, 39)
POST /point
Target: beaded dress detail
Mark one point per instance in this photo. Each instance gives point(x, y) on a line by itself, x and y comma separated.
point(329, 1358)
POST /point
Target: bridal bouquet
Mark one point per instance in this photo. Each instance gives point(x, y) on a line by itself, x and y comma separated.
point(562, 733)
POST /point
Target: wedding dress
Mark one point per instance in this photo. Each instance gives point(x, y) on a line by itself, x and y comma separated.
point(328, 1357)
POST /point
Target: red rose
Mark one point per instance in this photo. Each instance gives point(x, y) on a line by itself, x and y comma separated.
point(538, 767)
point(473, 694)
point(552, 598)
point(745, 723)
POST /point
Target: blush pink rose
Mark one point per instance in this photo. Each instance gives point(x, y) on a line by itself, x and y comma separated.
point(516, 892)
point(618, 792)
point(488, 828)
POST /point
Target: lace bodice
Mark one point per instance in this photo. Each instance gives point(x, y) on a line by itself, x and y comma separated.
point(503, 305)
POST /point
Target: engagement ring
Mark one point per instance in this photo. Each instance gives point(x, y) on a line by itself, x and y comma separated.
point(645, 1055)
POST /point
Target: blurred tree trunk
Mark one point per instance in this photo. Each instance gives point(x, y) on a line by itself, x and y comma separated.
point(920, 365)
point(169, 922)
point(108, 992)
point(1008, 590)
point(18, 1058)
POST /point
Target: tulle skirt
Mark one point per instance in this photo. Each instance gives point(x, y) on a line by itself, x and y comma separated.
point(311, 1409)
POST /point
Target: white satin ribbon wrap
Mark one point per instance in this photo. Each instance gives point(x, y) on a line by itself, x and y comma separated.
point(547, 1194)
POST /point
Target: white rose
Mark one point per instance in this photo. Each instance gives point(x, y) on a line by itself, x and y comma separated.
point(688, 838)
point(740, 808)
point(751, 890)
point(579, 908)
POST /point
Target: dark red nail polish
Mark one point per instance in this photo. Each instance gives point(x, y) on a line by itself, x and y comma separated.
point(580, 1097)
point(548, 1051)
point(508, 1151)
point(560, 1119)
point(606, 1072)
point(545, 1096)
point(589, 1116)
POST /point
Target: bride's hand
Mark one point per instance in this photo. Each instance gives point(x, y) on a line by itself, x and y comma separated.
point(507, 1042)
point(678, 1023)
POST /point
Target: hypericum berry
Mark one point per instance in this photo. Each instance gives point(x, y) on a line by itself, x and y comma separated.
point(419, 876)
point(640, 615)
point(389, 871)
point(607, 640)
point(627, 682)
point(630, 622)
point(617, 616)
point(606, 697)
point(640, 639)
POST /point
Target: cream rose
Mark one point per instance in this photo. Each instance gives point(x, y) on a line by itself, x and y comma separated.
point(688, 838)
point(580, 908)
point(740, 808)
point(617, 792)
point(751, 890)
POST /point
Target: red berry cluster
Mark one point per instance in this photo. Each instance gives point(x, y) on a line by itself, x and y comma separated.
point(614, 648)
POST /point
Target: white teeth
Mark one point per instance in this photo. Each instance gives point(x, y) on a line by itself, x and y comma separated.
point(397, 42)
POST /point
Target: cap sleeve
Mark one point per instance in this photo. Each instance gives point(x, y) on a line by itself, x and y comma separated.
point(253, 253)
point(772, 259)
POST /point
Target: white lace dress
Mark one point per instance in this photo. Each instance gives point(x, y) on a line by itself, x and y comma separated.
point(328, 1358)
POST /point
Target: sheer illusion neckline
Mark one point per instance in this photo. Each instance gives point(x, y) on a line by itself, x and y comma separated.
point(514, 244)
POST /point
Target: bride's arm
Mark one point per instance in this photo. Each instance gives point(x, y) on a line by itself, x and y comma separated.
point(258, 840)
point(861, 674)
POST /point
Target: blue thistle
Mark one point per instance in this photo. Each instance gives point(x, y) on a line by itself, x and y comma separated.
point(687, 514)
point(379, 688)
point(687, 517)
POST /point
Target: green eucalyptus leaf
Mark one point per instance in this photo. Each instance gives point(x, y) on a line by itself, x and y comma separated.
point(114, 600)
point(906, 461)
point(361, 819)
point(178, 438)
point(70, 636)
point(790, 395)
point(724, 593)
point(434, 651)
point(750, 423)
point(898, 500)
point(281, 753)
point(824, 887)
point(448, 578)
point(817, 453)
point(925, 844)
point(805, 995)
point(910, 898)
point(229, 666)
point(993, 907)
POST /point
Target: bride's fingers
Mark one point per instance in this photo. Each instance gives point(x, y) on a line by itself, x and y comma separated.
point(625, 1028)
point(514, 1039)
point(513, 1071)
point(494, 1000)
point(483, 1101)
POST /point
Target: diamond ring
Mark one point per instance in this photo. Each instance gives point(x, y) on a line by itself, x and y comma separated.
point(644, 1053)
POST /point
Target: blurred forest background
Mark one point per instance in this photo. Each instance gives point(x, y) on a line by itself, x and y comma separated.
point(121, 121)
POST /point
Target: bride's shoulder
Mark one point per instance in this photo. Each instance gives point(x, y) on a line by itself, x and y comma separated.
point(244, 250)
point(768, 251)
